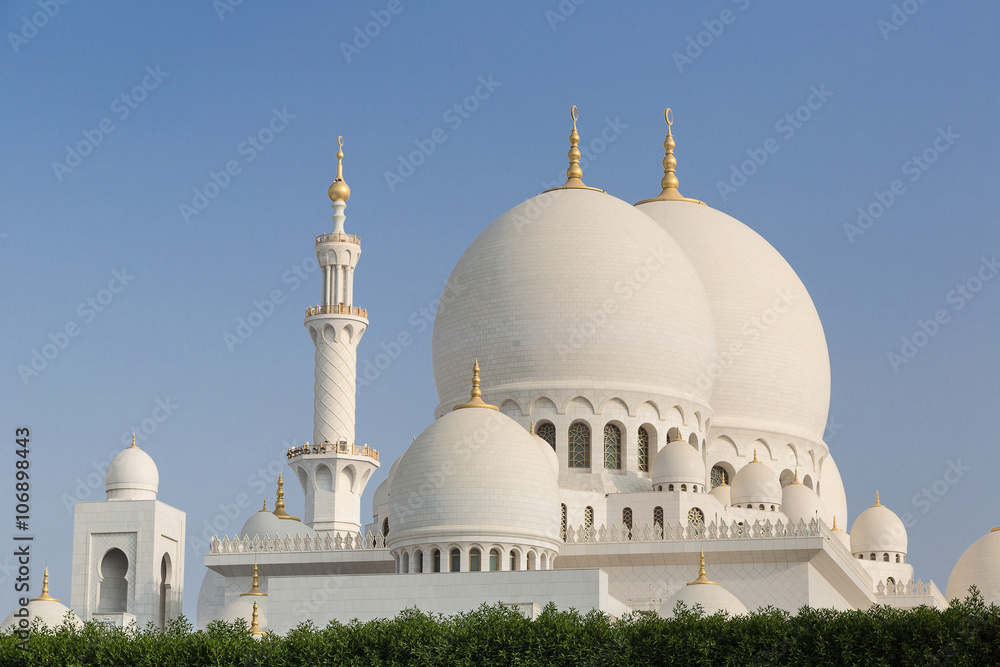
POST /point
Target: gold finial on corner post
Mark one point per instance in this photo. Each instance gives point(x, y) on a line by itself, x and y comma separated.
point(669, 182)
point(476, 395)
point(339, 191)
point(279, 503)
point(254, 584)
point(702, 578)
point(254, 626)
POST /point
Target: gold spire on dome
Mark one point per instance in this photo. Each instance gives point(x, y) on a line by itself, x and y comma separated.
point(702, 579)
point(677, 435)
point(669, 181)
point(254, 587)
point(878, 503)
point(45, 589)
point(476, 396)
point(835, 523)
point(265, 506)
point(531, 428)
point(338, 189)
point(574, 174)
point(132, 446)
point(796, 480)
point(279, 504)
point(754, 455)
point(254, 626)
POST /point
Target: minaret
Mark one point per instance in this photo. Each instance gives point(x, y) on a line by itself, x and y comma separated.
point(333, 471)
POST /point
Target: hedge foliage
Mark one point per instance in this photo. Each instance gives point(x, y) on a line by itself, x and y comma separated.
point(967, 633)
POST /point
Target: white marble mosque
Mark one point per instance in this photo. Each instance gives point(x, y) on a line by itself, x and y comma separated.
point(628, 417)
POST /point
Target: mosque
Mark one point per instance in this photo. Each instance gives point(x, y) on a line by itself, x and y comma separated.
point(632, 402)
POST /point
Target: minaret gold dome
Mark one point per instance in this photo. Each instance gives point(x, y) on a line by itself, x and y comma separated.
point(339, 191)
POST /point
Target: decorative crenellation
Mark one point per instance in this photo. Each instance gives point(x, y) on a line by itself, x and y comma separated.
point(338, 237)
point(905, 589)
point(337, 309)
point(721, 530)
point(333, 448)
point(277, 544)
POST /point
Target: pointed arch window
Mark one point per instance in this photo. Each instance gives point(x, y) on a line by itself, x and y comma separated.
point(658, 517)
point(643, 449)
point(547, 432)
point(720, 476)
point(562, 525)
point(579, 445)
point(627, 522)
point(612, 447)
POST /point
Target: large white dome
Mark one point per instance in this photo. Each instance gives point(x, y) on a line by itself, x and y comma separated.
point(574, 291)
point(774, 368)
point(979, 565)
point(475, 475)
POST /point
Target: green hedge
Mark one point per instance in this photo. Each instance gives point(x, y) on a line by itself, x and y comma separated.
point(967, 633)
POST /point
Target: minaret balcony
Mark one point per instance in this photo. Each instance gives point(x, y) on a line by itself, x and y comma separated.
point(338, 237)
point(333, 448)
point(337, 309)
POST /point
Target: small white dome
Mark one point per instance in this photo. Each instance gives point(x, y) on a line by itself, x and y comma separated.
point(132, 475)
point(722, 493)
point(475, 474)
point(549, 453)
point(381, 496)
point(878, 529)
point(757, 484)
point(263, 523)
point(979, 566)
point(712, 597)
point(678, 463)
point(800, 503)
point(48, 610)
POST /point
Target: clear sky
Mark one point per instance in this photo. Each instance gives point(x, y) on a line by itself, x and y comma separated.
point(116, 116)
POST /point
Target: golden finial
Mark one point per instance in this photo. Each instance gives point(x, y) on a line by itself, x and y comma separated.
point(669, 181)
point(476, 396)
point(835, 522)
point(132, 446)
point(754, 454)
point(878, 503)
point(574, 174)
point(254, 627)
point(531, 428)
point(279, 504)
point(254, 587)
point(45, 589)
point(796, 480)
point(265, 505)
point(702, 579)
point(338, 189)
point(677, 435)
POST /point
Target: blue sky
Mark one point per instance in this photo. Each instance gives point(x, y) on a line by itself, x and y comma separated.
point(199, 80)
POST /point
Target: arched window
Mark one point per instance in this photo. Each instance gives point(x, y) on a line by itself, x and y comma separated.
point(562, 525)
point(588, 522)
point(531, 560)
point(643, 449)
point(406, 563)
point(694, 488)
point(114, 586)
point(547, 432)
point(872, 557)
point(385, 527)
point(475, 558)
point(165, 577)
point(658, 517)
point(861, 556)
point(514, 561)
point(720, 476)
point(579, 445)
point(885, 558)
point(670, 487)
point(761, 506)
point(612, 447)
point(437, 560)
point(772, 508)
point(418, 561)
point(684, 487)
point(627, 522)
point(890, 581)
point(897, 558)
point(543, 561)
point(494, 560)
point(696, 518)
point(456, 560)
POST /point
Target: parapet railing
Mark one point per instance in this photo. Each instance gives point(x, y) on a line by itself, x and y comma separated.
point(277, 544)
point(333, 448)
point(341, 237)
point(337, 309)
point(735, 530)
